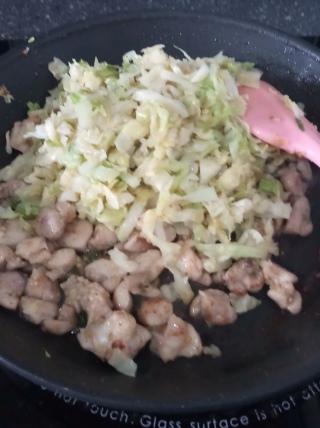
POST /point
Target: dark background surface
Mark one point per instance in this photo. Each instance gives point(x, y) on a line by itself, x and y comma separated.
point(20, 19)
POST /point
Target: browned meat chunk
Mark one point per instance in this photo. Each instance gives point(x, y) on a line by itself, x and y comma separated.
point(67, 211)
point(77, 235)
point(150, 262)
point(65, 322)
point(12, 285)
point(214, 307)
point(42, 287)
point(61, 262)
point(103, 238)
point(243, 276)
point(282, 290)
point(155, 312)
point(303, 166)
point(19, 130)
point(37, 310)
point(176, 339)
point(35, 250)
point(137, 244)
point(8, 259)
point(11, 233)
point(189, 264)
point(292, 183)
point(137, 283)
point(49, 224)
point(105, 272)
point(87, 296)
point(299, 222)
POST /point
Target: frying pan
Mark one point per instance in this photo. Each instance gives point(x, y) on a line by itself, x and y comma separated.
point(266, 351)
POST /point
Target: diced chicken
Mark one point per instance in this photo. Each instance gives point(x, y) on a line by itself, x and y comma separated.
point(217, 278)
point(137, 244)
point(77, 235)
point(61, 263)
point(138, 340)
point(35, 250)
point(12, 286)
point(150, 262)
point(49, 224)
point(138, 284)
point(155, 312)
point(303, 166)
point(113, 331)
point(105, 272)
point(189, 264)
point(291, 182)
point(9, 189)
point(176, 339)
point(243, 276)
point(299, 222)
point(67, 211)
point(282, 290)
point(11, 233)
point(42, 287)
point(87, 296)
point(205, 279)
point(37, 310)
point(214, 307)
point(17, 137)
point(8, 259)
point(103, 238)
point(66, 321)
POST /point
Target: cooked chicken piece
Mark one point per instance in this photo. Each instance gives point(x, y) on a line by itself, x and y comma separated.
point(292, 182)
point(41, 287)
point(12, 285)
point(66, 321)
point(205, 279)
point(8, 259)
point(105, 272)
point(67, 211)
point(138, 340)
point(150, 262)
point(243, 276)
point(9, 189)
point(214, 307)
point(37, 310)
point(282, 290)
point(304, 167)
point(299, 222)
point(35, 250)
point(189, 264)
point(77, 235)
point(103, 238)
point(155, 312)
point(49, 224)
point(87, 296)
point(137, 244)
point(217, 277)
point(11, 233)
point(61, 263)
point(20, 129)
point(176, 339)
point(110, 332)
point(138, 284)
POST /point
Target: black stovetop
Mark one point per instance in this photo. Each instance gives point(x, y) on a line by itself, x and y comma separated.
point(25, 405)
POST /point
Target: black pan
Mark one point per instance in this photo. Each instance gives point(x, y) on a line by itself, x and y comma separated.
point(267, 351)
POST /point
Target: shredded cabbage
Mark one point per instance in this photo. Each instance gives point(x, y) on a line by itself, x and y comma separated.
point(156, 140)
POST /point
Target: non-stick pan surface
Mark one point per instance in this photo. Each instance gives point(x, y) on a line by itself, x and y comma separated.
point(266, 351)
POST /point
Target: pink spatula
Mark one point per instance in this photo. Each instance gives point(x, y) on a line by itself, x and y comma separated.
point(273, 122)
